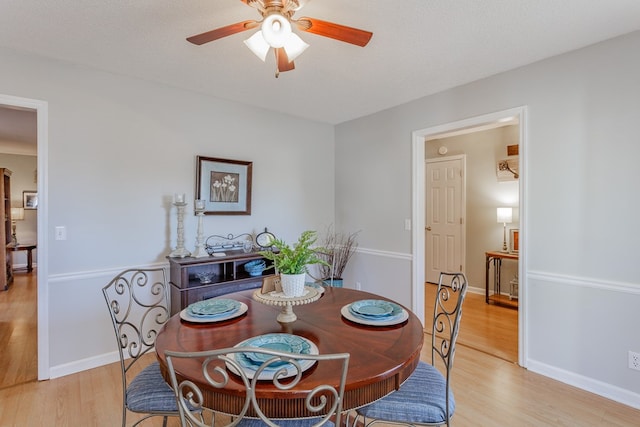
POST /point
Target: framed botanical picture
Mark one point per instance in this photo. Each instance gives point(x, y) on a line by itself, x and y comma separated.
point(224, 185)
point(30, 199)
point(514, 240)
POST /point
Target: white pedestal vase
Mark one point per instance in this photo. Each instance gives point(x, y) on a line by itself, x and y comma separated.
point(292, 284)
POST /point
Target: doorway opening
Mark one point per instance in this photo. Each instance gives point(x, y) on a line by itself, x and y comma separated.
point(37, 191)
point(420, 154)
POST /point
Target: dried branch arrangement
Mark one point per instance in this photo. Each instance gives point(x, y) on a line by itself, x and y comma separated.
point(339, 248)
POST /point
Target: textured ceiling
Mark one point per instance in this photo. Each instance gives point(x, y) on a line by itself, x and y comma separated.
point(419, 47)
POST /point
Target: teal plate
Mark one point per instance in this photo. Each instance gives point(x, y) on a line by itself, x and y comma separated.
point(213, 316)
point(397, 316)
point(213, 307)
point(372, 308)
point(250, 361)
point(185, 315)
point(279, 342)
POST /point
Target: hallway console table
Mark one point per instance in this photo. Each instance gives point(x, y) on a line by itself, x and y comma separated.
point(29, 247)
point(495, 258)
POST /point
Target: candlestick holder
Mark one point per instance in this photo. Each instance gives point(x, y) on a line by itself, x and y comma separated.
point(180, 251)
point(200, 251)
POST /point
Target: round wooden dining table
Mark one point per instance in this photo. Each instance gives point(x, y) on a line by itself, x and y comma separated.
point(381, 357)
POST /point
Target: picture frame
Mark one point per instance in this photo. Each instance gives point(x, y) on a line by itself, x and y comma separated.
point(224, 185)
point(271, 284)
point(514, 240)
point(30, 200)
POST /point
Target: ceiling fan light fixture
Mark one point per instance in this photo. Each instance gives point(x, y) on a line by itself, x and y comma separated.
point(258, 45)
point(276, 32)
point(294, 46)
point(276, 29)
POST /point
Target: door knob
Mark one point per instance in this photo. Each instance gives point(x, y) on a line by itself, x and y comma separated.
point(428, 228)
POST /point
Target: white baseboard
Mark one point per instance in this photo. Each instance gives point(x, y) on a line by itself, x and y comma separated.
point(24, 266)
point(585, 383)
point(481, 291)
point(83, 364)
point(475, 290)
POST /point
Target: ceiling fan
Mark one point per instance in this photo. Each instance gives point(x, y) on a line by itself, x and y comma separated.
point(275, 31)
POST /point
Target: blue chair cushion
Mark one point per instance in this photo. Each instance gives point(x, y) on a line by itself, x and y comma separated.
point(308, 422)
point(149, 392)
point(420, 399)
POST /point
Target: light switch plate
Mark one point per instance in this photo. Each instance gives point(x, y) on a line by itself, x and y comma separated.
point(61, 232)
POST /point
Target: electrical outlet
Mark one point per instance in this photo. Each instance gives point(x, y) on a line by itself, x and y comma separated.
point(634, 360)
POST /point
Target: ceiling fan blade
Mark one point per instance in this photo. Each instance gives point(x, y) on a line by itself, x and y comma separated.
point(283, 60)
point(221, 32)
point(334, 31)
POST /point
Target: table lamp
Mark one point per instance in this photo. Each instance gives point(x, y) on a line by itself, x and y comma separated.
point(505, 215)
point(17, 214)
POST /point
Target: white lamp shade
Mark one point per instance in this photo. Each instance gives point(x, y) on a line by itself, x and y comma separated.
point(276, 30)
point(505, 215)
point(294, 46)
point(17, 214)
point(258, 45)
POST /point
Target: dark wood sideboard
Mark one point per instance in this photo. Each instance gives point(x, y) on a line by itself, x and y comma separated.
point(229, 276)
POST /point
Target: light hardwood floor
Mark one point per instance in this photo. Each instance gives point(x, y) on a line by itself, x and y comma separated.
point(485, 327)
point(490, 391)
point(18, 331)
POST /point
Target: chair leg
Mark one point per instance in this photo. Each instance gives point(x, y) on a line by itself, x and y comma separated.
point(356, 417)
point(346, 418)
point(164, 421)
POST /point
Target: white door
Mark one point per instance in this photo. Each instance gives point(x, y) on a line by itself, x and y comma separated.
point(444, 230)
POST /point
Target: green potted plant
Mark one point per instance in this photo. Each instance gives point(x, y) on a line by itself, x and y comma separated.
point(292, 261)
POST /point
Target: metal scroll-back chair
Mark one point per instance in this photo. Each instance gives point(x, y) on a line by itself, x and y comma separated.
point(425, 397)
point(138, 305)
point(224, 367)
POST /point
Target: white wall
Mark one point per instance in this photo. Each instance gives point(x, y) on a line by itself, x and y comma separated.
point(582, 204)
point(119, 148)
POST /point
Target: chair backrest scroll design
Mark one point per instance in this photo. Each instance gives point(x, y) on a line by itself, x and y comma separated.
point(452, 288)
point(281, 370)
point(138, 305)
